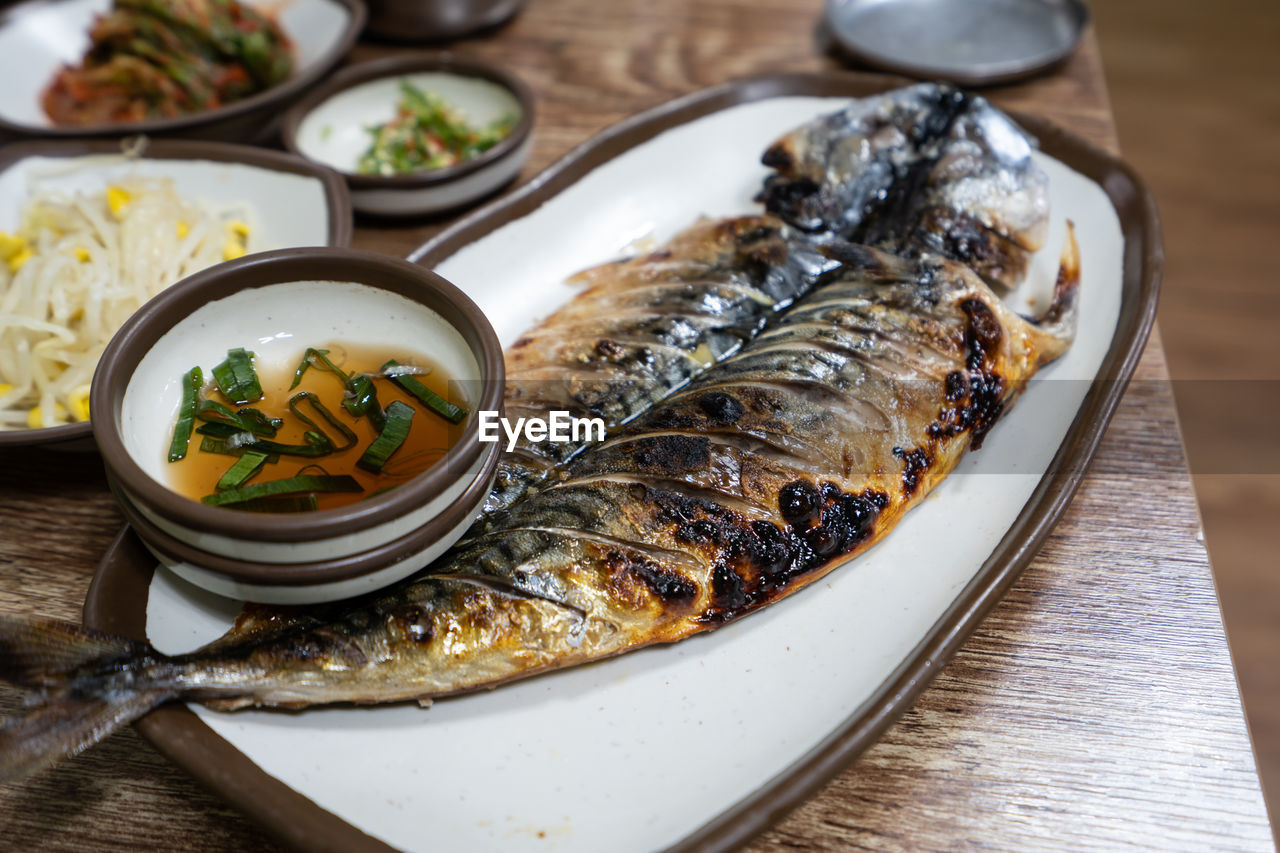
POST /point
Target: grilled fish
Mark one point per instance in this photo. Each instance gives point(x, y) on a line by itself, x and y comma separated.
point(644, 327)
point(924, 170)
point(763, 474)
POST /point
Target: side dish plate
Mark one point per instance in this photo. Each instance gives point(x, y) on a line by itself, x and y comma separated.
point(289, 202)
point(38, 37)
point(699, 745)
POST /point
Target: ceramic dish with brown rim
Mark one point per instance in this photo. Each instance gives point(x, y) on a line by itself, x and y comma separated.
point(766, 708)
point(277, 199)
point(335, 124)
point(39, 37)
point(319, 517)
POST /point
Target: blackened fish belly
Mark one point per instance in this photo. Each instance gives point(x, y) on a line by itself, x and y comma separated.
point(644, 327)
point(923, 171)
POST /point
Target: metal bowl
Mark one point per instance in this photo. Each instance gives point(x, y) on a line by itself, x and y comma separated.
point(973, 43)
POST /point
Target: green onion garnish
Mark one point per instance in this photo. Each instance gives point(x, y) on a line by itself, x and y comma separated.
point(294, 406)
point(223, 431)
point(433, 401)
point(361, 399)
point(292, 485)
point(399, 420)
point(209, 444)
point(249, 414)
point(317, 443)
point(246, 419)
point(308, 359)
point(246, 466)
point(191, 384)
point(236, 378)
point(283, 503)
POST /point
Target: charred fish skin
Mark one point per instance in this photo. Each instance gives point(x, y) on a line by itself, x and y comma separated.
point(836, 170)
point(644, 327)
point(925, 170)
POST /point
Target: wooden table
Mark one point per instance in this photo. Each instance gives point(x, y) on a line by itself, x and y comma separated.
point(1096, 707)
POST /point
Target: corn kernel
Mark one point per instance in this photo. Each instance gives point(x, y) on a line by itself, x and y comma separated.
point(10, 245)
point(232, 249)
point(82, 254)
point(79, 400)
point(117, 199)
point(37, 420)
point(19, 260)
point(183, 230)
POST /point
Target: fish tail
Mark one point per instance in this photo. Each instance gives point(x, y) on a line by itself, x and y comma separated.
point(1058, 322)
point(85, 685)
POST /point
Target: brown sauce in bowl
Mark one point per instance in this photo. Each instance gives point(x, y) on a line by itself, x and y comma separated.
point(430, 435)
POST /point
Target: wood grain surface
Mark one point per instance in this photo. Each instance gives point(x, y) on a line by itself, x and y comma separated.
point(1096, 708)
point(1219, 197)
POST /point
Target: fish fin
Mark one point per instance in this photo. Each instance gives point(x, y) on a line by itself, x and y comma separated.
point(39, 653)
point(75, 672)
point(65, 725)
point(1058, 322)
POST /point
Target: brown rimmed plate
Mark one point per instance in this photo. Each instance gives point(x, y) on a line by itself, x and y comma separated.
point(38, 36)
point(761, 712)
point(331, 126)
point(287, 200)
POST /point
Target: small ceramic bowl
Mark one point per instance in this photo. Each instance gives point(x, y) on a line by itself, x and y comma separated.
point(317, 580)
point(436, 20)
point(330, 127)
point(287, 200)
point(276, 304)
point(38, 37)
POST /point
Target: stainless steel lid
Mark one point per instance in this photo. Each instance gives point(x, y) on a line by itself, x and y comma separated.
point(971, 42)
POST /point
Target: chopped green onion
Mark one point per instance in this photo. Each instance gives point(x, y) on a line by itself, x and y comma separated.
point(433, 401)
point(317, 443)
point(294, 406)
point(246, 419)
point(307, 362)
point(191, 384)
point(246, 466)
point(283, 503)
point(317, 358)
point(209, 444)
point(248, 414)
point(236, 377)
point(291, 485)
point(396, 430)
point(361, 399)
point(223, 431)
